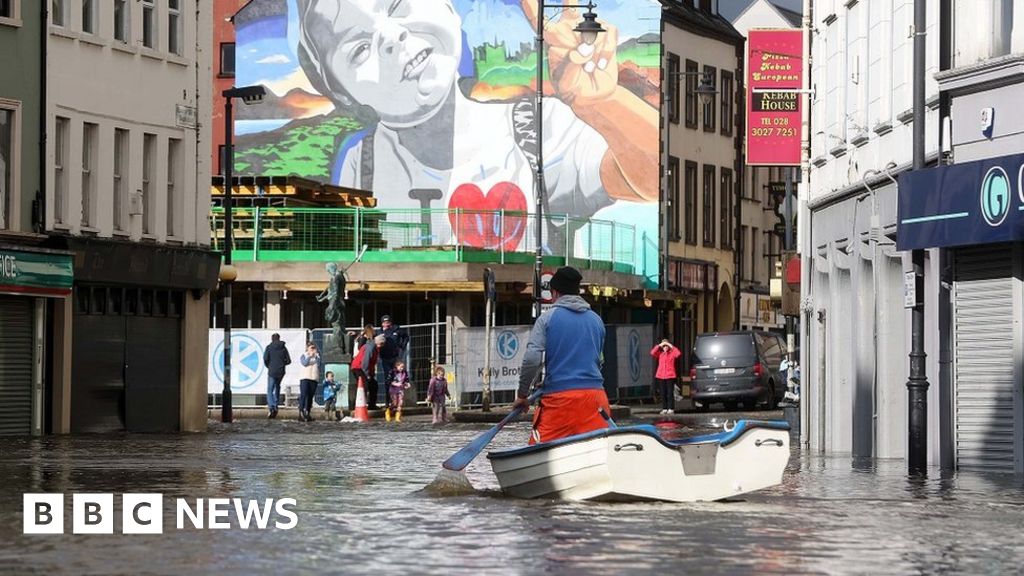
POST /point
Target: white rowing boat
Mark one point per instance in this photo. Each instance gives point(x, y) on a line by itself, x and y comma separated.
point(636, 463)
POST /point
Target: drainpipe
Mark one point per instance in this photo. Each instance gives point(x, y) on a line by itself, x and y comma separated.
point(39, 204)
point(822, 331)
point(741, 127)
point(917, 384)
point(805, 217)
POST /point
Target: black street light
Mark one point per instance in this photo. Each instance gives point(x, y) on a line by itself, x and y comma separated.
point(588, 30)
point(249, 95)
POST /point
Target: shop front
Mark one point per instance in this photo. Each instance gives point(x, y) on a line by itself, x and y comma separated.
point(33, 282)
point(975, 212)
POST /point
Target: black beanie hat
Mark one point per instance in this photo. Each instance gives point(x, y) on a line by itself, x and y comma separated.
point(566, 280)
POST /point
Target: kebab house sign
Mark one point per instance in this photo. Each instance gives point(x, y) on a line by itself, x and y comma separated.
point(774, 92)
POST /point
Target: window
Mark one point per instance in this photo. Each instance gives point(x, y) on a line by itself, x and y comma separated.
point(227, 59)
point(690, 190)
point(173, 176)
point(709, 205)
point(89, 16)
point(174, 26)
point(7, 10)
point(754, 255)
point(90, 143)
point(221, 151)
point(672, 77)
point(710, 73)
point(728, 98)
point(122, 20)
point(120, 177)
point(148, 24)
point(743, 246)
point(691, 96)
point(726, 193)
point(60, 173)
point(8, 166)
point(148, 154)
point(57, 15)
point(674, 208)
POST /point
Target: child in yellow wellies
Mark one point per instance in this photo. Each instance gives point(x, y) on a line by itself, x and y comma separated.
point(398, 383)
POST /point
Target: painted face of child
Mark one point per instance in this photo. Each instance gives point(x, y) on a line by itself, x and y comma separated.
point(400, 57)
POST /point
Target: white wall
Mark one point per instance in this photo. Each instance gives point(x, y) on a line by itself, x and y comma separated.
point(94, 78)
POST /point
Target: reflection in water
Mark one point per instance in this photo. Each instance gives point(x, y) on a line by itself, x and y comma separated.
point(363, 508)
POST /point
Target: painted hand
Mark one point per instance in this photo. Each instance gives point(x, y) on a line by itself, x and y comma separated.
point(580, 73)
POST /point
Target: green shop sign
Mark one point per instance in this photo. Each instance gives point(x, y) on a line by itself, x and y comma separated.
point(35, 273)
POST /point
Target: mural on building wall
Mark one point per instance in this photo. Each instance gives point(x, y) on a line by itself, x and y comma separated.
point(429, 104)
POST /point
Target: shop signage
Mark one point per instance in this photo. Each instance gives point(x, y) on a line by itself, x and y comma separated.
point(774, 92)
point(35, 273)
point(977, 202)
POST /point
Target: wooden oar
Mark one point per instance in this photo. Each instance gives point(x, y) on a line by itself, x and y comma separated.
point(463, 457)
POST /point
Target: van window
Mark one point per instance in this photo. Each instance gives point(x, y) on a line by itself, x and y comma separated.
point(711, 348)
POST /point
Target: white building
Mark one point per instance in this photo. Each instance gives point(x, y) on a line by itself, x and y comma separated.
point(127, 189)
point(856, 335)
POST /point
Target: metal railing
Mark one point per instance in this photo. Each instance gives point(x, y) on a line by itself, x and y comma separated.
point(413, 235)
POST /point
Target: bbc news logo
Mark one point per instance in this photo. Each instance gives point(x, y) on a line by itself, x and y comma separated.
point(144, 513)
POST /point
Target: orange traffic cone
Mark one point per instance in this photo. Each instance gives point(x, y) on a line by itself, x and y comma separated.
point(361, 413)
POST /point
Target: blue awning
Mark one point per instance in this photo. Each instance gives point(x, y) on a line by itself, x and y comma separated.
point(977, 202)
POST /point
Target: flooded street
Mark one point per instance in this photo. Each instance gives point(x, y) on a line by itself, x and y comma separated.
point(361, 510)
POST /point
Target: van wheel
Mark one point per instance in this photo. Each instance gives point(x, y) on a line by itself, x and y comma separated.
point(769, 399)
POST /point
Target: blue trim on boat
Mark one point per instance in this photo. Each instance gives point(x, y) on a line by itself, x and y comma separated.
point(722, 438)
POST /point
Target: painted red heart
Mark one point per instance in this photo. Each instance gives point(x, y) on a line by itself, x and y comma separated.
point(478, 222)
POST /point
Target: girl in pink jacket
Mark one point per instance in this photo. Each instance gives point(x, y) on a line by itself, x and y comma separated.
point(666, 354)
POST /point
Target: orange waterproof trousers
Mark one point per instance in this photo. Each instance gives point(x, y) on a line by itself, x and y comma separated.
point(569, 413)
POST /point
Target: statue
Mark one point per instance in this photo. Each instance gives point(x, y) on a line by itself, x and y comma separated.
point(334, 294)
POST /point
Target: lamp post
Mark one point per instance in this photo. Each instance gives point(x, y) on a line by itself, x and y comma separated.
point(588, 29)
point(249, 95)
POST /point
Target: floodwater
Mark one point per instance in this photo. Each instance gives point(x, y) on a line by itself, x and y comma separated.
point(362, 509)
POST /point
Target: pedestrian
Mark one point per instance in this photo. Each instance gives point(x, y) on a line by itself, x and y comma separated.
point(665, 376)
point(309, 377)
point(437, 395)
point(331, 390)
point(568, 340)
point(275, 359)
point(398, 383)
point(364, 365)
point(394, 348)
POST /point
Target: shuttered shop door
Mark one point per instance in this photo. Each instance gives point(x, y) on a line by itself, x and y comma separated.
point(984, 379)
point(15, 365)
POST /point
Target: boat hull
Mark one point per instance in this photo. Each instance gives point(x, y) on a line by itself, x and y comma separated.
point(635, 463)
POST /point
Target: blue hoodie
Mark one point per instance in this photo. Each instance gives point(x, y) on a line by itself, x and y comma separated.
point(569, 340)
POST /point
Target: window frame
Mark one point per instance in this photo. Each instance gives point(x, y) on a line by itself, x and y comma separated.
point(61, 150)
point(674, 207)
point(13, 16)
point(175, 40)
point(10, 213)
point(149, 16)
point(709, 110)
point(149, 146)
point(728, 108)
point(126, 16)
point(725, 209)
point(90, 144)
point(59, 8)
point(120, 174)
point(672, 77)
point(174, 176)
point(690, 200)
point(708, 189)
point(90, 8)
point(222, 72)
point(691, 94)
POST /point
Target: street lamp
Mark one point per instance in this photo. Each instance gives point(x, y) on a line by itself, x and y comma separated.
point(588, 29)
point(249, 95)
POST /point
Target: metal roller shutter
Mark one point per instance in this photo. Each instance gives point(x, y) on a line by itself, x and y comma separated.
point(15, 365)
point(983, 355)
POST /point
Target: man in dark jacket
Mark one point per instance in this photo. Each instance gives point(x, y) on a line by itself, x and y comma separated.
point(395, 341)
point(275, 358)
point(568, 339)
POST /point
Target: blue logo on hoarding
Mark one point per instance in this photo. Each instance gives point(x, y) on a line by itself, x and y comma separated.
point(995, 196)
point(246, 361)
point(634, 355)
point(508, 345)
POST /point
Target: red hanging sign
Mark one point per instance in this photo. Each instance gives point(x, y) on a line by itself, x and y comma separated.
point(774, 65)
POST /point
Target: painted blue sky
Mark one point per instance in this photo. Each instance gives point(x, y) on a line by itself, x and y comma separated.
point(267, 54)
